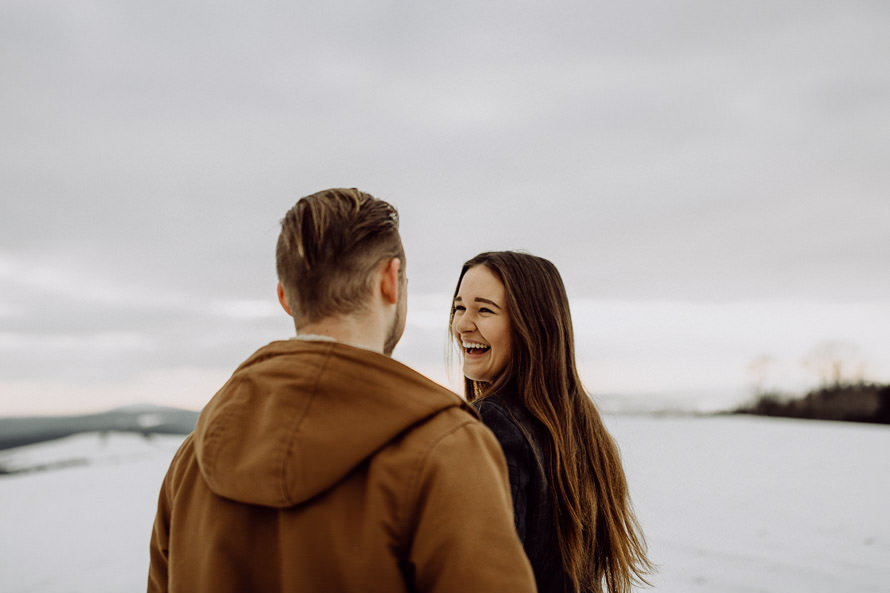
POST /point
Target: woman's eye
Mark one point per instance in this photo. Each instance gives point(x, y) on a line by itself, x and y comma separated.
point(459, 308)
point(485, 310)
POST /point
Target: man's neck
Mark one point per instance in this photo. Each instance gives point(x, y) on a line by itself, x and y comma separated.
point(351, 330)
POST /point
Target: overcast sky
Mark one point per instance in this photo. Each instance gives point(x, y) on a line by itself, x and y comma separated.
point(712, 180)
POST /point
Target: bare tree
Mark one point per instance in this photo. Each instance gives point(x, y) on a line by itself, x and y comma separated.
point(759, 371)
point(835, 363)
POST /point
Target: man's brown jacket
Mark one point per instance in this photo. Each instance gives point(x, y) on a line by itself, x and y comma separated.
point(323, 467)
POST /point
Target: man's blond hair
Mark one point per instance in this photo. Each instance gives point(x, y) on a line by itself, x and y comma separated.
point(330, 246)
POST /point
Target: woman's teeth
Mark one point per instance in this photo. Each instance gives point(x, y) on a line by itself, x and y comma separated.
point(473, 348)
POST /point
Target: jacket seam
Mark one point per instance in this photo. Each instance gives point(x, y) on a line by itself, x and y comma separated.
point(214, 433)
point(296, 427)
point(421, 464)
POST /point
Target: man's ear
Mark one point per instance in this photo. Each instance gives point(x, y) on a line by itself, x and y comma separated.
point(389, 284)
point(283, 300)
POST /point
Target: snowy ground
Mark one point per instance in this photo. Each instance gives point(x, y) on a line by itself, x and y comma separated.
point(728, 505)
point(760, 505)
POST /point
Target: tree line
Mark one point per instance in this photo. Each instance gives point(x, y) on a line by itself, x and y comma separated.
point(843, 392)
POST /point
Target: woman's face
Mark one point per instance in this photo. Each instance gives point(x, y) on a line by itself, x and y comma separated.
point(481, 324)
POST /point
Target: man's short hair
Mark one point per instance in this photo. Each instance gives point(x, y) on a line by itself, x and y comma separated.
point(330, 245)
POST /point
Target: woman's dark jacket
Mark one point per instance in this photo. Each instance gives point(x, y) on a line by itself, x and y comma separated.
point(521, 437)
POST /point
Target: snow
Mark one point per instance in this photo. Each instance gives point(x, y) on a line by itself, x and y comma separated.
point(82, 528)
point(742, 504)
point(728, 504)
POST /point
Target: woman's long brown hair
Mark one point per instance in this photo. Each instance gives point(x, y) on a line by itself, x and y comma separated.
point(602, 544)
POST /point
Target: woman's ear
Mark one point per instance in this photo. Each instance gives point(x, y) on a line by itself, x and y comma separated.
point(283, 300)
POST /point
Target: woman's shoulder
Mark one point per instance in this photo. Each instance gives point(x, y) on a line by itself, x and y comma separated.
point(498, 409)
point(503, 405)
point(490, 403)
point(497, 414)
point(507, 420)
point(502, 415)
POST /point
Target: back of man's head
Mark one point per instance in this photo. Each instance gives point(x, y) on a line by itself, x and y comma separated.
point(330, 246)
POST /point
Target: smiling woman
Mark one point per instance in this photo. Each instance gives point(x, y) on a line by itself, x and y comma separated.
point(510, 316)
point(482, 324)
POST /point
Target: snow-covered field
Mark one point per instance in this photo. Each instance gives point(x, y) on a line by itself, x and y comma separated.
point(743, 504)
point(728, 504)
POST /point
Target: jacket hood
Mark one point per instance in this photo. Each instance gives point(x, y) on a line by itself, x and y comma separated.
point(298, 416)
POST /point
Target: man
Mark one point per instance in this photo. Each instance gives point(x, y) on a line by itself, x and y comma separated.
point(323, 464)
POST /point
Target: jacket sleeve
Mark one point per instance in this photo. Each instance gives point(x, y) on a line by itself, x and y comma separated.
point(158, 550)
point(160, 533)
point(518, 455)
point(464, 537)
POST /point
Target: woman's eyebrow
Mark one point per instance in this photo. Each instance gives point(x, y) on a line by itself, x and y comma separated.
point(492, 303)
point(458, 299)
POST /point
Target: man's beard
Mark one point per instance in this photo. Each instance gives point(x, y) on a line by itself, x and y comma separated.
point(397, 327)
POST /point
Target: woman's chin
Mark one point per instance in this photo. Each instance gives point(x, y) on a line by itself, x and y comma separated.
point(476, 376)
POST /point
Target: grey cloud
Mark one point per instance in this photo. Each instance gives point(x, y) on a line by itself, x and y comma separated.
point(688, 150)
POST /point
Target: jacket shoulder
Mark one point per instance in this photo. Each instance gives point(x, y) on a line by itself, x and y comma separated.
point(440, 448)
point(456, 507)
point(455, 426)
point(181, 464)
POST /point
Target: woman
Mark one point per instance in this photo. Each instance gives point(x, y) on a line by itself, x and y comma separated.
point(510, 317)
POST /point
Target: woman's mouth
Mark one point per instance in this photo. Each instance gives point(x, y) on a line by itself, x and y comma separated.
point(475, 348)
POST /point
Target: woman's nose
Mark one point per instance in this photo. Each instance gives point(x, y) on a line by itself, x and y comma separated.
point(463, 323)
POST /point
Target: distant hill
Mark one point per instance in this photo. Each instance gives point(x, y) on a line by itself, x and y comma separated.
point(142, 419)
